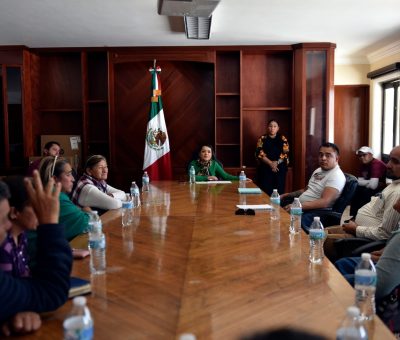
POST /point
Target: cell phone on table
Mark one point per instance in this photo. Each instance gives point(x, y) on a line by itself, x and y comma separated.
point(80, 253)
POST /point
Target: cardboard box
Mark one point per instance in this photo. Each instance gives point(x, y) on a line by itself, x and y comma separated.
point(71, 144)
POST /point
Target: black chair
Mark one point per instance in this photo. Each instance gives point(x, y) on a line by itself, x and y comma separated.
point(332, 216)
point(355, 246)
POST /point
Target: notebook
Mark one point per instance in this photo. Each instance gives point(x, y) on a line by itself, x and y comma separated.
point(249, 191)
point(79, 287)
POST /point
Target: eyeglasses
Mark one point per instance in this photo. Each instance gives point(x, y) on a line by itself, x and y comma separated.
point(245, 212)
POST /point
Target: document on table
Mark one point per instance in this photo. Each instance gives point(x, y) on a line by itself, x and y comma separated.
point(249, 190)
point(254, 206)
point(214, 182)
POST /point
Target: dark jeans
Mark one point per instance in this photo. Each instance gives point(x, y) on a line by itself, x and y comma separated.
point(347, 267)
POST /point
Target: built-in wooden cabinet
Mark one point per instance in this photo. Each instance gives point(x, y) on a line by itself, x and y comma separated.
point(227, 108)
point(219, 95)
point(12, 109)
point(95, 104)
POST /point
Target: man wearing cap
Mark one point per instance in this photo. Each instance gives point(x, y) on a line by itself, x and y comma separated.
point(371, 178)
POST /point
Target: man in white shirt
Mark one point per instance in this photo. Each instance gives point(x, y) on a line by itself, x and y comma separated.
point(324, 187)
point(375, 220)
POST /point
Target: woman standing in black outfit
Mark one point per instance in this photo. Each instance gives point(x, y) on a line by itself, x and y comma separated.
point(272, 155)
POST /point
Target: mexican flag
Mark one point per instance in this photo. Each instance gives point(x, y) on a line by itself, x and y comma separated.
point(157, 161)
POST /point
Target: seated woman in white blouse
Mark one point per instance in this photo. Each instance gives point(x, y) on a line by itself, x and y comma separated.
point(92, 189)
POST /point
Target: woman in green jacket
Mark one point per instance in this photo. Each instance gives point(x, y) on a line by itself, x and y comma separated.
point(75, 219)
point(207, 168)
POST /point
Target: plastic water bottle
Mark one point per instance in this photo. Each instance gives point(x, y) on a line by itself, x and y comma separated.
point(126, 211)
point(352, 327)
point(145, 182)
point(242, 179)
point(295, 216)
point(317, 238)
point(276, 205)
point(79, 323)
point(365, 285)
point(94, 220)
point(192, 175)
point(135, 194)
point(97, 248)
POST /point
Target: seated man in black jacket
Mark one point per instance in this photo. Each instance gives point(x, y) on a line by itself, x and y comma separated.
point(47, 289)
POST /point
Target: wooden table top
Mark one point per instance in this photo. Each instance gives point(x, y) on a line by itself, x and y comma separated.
point(188, 264)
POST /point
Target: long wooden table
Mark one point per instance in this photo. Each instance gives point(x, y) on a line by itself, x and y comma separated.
point(188, 264)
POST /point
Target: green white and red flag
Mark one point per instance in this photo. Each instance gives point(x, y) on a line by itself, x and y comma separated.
point(157, 160)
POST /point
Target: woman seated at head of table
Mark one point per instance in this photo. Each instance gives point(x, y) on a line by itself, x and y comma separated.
point(208, 168)
point(92, 189)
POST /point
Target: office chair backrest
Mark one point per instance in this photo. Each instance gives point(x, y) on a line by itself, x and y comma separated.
point(347, 194)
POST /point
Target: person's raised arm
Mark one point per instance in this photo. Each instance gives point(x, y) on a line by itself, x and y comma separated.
point(45, 201)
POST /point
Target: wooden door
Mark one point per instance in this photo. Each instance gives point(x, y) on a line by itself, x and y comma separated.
point(351, 123)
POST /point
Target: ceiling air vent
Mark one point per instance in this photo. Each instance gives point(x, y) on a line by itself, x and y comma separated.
point(192, 8)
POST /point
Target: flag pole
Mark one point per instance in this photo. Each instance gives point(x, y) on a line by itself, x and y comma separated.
point(154, 63)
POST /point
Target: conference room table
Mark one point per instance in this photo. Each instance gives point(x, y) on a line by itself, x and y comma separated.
point(189, 264)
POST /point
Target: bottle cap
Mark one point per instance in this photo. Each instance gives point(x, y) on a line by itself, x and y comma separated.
point(316, 218)
point(366, 256)
point(353, 311)
point(79, 301)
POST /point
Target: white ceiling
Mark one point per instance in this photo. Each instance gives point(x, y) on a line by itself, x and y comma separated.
point(358, 27)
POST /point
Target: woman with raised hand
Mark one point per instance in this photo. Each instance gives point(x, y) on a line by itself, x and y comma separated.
point(22, 298)
point(92, 189)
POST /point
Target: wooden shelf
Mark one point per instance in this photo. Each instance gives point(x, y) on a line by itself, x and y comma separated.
point(228, 117)
point(227, 144)
point(61, 110)
point(227, 94)
point(97, 101)
point(279, 108)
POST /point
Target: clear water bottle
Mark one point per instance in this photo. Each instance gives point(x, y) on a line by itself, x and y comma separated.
point(295, 216)
point(145, 182)
point(242, 179)
point(352, 327)
point(192, 175)
point(276, 205)
point(79, 323)
point(135, 194)
point(317, 238)
point(365, 285)
point(94, 220)
point(97, 248)
point(126, 211)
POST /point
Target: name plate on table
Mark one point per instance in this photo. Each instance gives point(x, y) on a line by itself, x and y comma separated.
point(214, 182)
point(249, 191)
point(254, 206)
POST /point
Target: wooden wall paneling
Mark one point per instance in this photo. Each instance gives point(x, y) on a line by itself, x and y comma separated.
point(188, 102)
point(351, 123)
point(60, 81)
